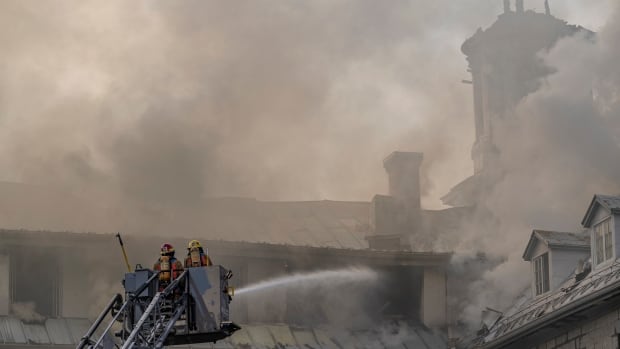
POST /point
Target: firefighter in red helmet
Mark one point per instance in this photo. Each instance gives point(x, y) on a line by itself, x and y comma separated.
point(169, 267)
point(196, 256)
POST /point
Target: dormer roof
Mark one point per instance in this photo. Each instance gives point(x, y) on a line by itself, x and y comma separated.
point(555, 239)
point(608, 202)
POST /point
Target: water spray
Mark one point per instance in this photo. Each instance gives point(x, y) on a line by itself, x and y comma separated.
point(332, 277)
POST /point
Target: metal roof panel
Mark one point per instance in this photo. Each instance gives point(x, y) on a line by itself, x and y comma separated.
point(261, 336)
point(305, 339)
point(58, 331)
point(324, 340)
point(283, 336)
point(12, 331)
point(241, 337)
point(77, 328)
point(36, 334)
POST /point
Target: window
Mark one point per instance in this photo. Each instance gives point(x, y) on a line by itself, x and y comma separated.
point(602, 241)
point(541, 273)
point(34, 279)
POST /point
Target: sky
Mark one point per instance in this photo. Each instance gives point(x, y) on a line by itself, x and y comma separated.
point(274, 100)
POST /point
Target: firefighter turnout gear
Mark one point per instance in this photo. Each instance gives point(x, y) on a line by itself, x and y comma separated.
point(196, 257)
point(168, 266)
point(194, 244)
point(167, 250)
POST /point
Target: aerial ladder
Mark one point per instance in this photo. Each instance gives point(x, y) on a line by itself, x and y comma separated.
point(193, 308)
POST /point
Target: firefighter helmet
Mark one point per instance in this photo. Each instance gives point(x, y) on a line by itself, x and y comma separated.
point(193, 244)
point(167, 249)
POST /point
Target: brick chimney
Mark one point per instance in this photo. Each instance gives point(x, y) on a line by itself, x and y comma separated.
point(403, 169)
point(397, 215)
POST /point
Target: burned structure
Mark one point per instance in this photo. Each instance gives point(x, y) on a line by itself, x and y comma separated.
point(505, 67)
point(257, 241)
point(574, 301)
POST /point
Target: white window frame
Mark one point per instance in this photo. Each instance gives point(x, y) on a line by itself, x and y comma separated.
point(603, 241)
point(541, 274)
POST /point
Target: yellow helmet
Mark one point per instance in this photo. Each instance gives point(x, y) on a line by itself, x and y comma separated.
point(194, 244)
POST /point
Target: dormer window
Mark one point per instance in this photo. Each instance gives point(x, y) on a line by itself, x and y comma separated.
point(548, 253)
point(541, 273)
point(603, 241)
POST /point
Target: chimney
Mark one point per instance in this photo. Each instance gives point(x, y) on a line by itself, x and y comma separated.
point(403, 169)
point(519, 6)
point(506, 6)
point(547, 8)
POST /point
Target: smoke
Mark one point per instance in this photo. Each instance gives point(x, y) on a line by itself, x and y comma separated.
point(558, 149)
point(169, 103)
point(26, 311)
point(160, 104)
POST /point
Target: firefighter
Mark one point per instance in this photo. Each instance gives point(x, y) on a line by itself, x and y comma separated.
point(196, 256)
point(169, 267)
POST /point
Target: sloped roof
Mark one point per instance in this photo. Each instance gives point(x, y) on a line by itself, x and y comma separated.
point(556, 239)
point(608, 202)
point(540, 314)
point(67, 332)
point(465, 192)
point(324, 223)
point(52, 331)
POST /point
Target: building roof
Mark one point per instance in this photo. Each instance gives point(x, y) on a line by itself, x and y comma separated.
point(68, 332)
point(608, 202)
point(52, 331)
point(324, 223)
point(140, 245)
point(556, 239)
point(572, 302)
point(320, 224)
point(465, 192)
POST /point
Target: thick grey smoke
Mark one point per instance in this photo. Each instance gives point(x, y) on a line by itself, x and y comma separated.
point(25, 311)
point(166, 103)
point(559, 148)
point(174, 102)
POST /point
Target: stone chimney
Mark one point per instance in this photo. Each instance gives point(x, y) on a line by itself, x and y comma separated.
point(506, 6)
point(403, 169)
point(520, 7)
point(396, 216)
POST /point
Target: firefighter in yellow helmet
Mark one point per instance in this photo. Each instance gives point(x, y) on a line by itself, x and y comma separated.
point(196, 256)
point(169, 267)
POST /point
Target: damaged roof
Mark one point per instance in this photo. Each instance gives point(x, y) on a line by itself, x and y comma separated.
point(539, 316)
point(556, 239)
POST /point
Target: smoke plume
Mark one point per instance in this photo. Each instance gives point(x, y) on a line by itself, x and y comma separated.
point(558, 149)
point(162, 104)
point(26, 311)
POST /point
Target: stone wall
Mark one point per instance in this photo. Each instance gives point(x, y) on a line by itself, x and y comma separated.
point(597, 333)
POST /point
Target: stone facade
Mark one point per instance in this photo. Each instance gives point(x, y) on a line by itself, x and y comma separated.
point(597, 333)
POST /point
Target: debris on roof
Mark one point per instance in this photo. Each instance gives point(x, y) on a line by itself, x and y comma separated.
point(573, 297)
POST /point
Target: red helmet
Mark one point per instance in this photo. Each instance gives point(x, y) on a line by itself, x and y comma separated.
point(167, 249)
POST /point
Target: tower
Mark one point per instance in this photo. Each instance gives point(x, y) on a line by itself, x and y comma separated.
point(505, 66)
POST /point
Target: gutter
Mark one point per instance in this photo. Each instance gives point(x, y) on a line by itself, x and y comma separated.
point(538, 324)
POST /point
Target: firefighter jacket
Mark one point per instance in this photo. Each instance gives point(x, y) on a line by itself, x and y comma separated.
point(197, 259)
point(169, 267)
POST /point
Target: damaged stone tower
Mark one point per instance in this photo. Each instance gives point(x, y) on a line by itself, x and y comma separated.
point(505, 67)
